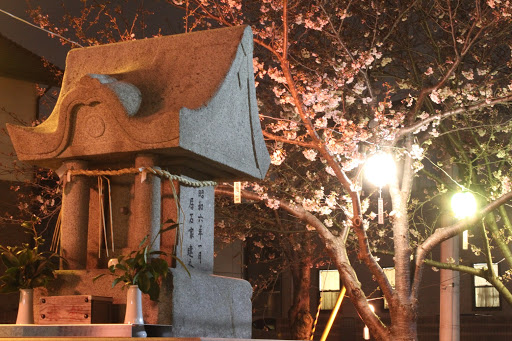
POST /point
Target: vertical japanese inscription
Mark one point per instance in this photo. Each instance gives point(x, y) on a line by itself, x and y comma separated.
point(196, 220)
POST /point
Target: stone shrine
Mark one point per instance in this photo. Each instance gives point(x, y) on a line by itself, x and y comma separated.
point(128, 111)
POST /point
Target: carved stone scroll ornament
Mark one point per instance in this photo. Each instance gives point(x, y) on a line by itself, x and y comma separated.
point(52, 137)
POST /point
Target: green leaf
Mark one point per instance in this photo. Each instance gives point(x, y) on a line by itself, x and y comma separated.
point(120, 267)
point(154, 291)
point(136, 278)
point(168, 221)
point(97, 277)
point(9, 260)
point(144, 283)
point(24, 256)
point(146, 250)
point(12, 271)
point(143, 241)
point(158, 253)
point(182, 264)
point(160, 266)
point(7, 289)
point(27, 225)
point(40, 281)
point(117, 280)
point(168, 228)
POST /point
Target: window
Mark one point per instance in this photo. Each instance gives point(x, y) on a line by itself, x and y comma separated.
point(485, 295)
point(390, 274)
point(329, 288)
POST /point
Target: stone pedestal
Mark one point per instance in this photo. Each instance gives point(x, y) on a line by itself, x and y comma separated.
point(210, 306)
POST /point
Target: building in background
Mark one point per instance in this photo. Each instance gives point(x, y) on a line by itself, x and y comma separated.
point(20, 72)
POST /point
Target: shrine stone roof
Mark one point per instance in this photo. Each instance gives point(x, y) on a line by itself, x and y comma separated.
point(188, 98)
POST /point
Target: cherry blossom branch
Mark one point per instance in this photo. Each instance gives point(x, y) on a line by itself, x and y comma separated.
point(452, 28)
point(285, 29)
point(357, 225)
point(223, 21)
point(351, 56)
point(469, 108)
point(285, 140)
point(442, 234)
point(399, 19)
point(468, 43)
point(295, 210)
point(335, 245)
point(269, 48)
point(427, 91)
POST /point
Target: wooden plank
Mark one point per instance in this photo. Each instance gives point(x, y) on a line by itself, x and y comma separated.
point(75, 309)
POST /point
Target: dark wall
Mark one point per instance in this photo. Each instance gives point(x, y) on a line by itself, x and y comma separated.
point(10, 235)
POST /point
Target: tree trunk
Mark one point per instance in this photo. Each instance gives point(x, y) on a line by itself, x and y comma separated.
point(301, 321)
point(403, 326)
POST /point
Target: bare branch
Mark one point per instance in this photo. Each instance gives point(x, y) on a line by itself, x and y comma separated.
point(442, 234)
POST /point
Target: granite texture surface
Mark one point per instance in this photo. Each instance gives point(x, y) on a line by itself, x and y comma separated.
point(210, 306)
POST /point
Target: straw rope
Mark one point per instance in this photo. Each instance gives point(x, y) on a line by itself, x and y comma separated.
point(152, 170)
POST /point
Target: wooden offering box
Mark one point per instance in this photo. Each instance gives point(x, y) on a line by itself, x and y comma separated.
point(75, 309)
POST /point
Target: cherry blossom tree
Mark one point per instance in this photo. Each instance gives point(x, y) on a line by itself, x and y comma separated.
point(427, 81)
point(339, 80)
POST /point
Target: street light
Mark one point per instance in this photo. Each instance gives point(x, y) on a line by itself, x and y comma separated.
point(379, 170)
point(366, 330)
point(464, 206)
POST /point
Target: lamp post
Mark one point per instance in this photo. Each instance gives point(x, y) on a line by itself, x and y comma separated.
point(463, 205)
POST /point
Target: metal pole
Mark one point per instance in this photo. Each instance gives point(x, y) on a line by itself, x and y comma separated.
point(449, 314)
point(333, 314)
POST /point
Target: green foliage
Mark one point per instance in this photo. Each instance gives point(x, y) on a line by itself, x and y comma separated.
point(143, 267)
point(27, 266)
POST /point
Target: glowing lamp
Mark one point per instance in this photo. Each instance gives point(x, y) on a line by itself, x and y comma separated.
point(463, 205)
point(380, 169)
point(366, 330)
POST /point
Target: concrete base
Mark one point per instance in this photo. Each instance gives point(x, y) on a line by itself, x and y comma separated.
point(196, 305)
point(210, 306)
point(85, 330)
point(116, 332)
point(80, 282)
